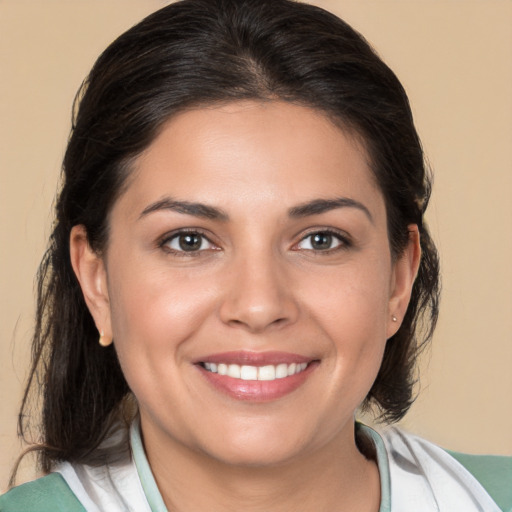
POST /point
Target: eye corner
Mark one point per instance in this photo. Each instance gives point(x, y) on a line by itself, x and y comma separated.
point(325, 237)
point(187, 242)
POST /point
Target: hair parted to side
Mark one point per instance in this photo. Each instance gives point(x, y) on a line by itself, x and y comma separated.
point(188, 54)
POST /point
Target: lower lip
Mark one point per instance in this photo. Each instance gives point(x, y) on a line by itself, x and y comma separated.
point(257, 390)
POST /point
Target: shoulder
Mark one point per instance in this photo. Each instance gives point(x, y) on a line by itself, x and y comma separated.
point(50, 493)
point(494, 472)
point(484, 479)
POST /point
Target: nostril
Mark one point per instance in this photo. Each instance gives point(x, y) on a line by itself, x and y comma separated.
point(258, 325)
point(256, 302)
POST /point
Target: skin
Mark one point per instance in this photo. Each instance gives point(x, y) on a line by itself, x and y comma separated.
point(257, 284)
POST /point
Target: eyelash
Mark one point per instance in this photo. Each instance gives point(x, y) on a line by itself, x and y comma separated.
point(343, 239)
point(167, 239)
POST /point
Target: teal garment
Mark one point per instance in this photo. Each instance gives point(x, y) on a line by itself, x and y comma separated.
point(155, 498)
point(147, 479)
point(53, 492)
point(50, 493)
point(382, 462)
point(494, 473)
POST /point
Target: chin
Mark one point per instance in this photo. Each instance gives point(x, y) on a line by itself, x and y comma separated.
point(256, 457)
point(258, 446)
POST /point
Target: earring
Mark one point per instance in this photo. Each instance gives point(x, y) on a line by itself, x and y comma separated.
point(394, 318)
point(104, 341)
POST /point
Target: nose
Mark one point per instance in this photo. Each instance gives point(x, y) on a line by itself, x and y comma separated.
point(258, 295)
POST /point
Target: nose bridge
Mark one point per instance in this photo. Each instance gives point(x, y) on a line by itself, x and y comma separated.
point(257, 295)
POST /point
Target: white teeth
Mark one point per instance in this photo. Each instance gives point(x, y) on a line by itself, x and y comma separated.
point(247, 372)
point(267, 372)
point(281, 371)
point(234, 371)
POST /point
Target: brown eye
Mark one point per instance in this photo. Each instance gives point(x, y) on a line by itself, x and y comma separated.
point(322, 241)
point(188, 242)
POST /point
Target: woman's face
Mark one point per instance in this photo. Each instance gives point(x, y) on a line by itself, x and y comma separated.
point(251, 240)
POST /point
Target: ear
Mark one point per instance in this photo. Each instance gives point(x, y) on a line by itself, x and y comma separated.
point(402, 280)
point(90, 271)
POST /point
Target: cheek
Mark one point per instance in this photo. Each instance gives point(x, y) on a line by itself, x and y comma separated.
point(155, 320)
point(351, 307)
point(352, 299)
point(153, 312)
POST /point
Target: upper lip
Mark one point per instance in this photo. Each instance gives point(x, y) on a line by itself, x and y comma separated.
point(244, 357)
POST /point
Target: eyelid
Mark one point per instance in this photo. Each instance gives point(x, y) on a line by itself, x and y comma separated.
point(164, 240)
point(343, 237)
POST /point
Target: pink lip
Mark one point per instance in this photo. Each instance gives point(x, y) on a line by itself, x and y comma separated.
point(256, 390)
point(255, 358)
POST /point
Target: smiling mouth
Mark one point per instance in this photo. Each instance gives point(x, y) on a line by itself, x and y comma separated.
point(257, 377)
point(255, 373)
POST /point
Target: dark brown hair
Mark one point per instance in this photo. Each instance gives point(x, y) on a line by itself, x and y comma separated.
point(197, 52)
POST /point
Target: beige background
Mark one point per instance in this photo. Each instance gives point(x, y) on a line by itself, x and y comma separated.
point(455, 60)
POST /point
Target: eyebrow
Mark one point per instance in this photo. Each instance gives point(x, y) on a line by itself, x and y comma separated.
point(186, 207)
point(314, 207)
point(318, 206)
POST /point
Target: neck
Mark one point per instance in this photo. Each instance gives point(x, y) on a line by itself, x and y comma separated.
point(334, 478)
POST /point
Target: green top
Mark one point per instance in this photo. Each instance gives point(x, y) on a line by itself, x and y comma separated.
point(494, 473)
point(51, 493)
point(147, 480)
point(157, 504)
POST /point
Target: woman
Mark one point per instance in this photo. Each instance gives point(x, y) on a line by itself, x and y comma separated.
point(239, 262)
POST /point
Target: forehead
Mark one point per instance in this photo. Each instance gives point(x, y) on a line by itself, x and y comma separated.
point(248, 152)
